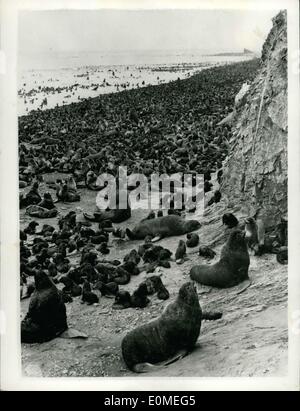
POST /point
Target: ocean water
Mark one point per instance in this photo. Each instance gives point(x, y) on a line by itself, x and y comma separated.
point(49, 79)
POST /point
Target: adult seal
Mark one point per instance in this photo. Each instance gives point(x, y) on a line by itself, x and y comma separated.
point(231, 269)
point(166, 226)
point(114, 214)
point(176, 330)
point(46, 317)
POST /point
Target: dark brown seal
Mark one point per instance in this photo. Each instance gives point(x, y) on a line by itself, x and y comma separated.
point(177, 329)
point(46, 317)
point(231, 269)
point(161, 227)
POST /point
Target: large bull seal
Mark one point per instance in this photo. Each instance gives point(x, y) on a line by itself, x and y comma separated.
point(161, 227)
point(232, 268)
point(177, 329)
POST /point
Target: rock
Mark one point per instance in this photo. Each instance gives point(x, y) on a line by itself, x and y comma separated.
point(255, 172)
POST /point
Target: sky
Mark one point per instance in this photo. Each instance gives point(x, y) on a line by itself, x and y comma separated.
point(143, 30)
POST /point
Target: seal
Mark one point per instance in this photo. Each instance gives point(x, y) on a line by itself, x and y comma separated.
point(41, 212)
point(282, 255)
point(176, 330)
point(160, 227)
point(115, 215)
point(207, 252)
point(46, 317)
point(122, 300)
point(139, 297)
point(230, 220)
point(87, 295)
point(231, 269)
point(180, 252)
point(255, 235)
point(192, 240)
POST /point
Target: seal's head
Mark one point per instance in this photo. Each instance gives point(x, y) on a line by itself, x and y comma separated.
point(47, 196)
point(229, 220)
point(42, 281)
point(188, 293)
point(250, 221)
point(33, 224)
point(191, 225)
point(237, 241)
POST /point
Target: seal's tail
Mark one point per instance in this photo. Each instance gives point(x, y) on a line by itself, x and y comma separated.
point(211, 315)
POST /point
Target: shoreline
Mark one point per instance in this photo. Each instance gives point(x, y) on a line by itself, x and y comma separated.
point(40, 89)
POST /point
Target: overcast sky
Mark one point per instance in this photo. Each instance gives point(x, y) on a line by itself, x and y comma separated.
point(222, 30)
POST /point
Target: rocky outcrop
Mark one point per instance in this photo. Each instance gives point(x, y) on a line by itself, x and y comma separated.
point(255, 172)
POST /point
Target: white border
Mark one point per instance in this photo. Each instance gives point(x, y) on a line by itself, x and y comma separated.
point(11, 378)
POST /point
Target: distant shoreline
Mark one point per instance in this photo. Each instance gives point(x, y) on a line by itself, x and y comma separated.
point(231, 54)
point(44, 89)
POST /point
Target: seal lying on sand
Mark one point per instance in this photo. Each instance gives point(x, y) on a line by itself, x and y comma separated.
point(161, 227)
point(170, 336)
point(41, 212)
point(46, 317)
point(114, 214)
point(231, 269)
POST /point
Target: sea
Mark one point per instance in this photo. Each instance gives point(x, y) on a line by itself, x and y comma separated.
point(46, 80)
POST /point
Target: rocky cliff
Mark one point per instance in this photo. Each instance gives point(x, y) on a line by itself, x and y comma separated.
point(255, 172)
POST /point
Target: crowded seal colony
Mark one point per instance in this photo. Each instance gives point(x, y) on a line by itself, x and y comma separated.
point(128, 283)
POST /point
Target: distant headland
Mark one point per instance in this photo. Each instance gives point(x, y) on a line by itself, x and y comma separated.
point(241, 53)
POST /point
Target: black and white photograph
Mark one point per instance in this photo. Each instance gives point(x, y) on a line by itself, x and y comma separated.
point(152, 175)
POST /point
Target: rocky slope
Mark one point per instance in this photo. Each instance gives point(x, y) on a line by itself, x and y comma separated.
point(255, 172)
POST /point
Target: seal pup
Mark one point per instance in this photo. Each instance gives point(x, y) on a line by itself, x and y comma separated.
point(166, 226)
point(180, 252)
point(192, 240)
point(282, 255)
point(254, 235)
point(139, 297)
point(107, 289)
point(87, 295)
point(231, 269)
point(46, 317)
point(122, 300)
point(47, 202)
point(30, 229)
point(207, 252)
point(176, 330)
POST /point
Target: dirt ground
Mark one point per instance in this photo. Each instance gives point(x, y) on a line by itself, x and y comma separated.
point(250, 340)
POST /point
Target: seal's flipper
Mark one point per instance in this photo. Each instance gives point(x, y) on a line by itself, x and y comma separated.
point(72, 333)
point(157, 238)
point(89, 217)
point(211, 315)
point(147, 367)
point(243, 286)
